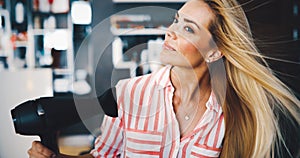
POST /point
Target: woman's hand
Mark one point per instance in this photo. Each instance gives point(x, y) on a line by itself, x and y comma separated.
point(38, 150)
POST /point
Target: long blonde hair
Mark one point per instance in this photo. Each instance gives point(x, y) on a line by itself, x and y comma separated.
point(255, 97)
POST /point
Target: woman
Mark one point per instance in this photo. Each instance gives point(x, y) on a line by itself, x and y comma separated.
point(191, 112)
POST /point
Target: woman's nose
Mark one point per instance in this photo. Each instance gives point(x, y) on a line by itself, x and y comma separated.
point(171, 34)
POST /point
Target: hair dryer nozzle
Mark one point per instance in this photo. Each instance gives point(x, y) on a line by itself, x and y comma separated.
point(26, 120)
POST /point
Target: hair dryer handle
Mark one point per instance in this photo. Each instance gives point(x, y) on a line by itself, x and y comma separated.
point(49, 140)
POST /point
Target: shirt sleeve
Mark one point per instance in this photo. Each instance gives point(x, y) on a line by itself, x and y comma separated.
point(109, 143)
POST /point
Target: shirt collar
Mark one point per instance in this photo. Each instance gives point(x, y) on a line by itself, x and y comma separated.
point(162, 77)
point(212, 103)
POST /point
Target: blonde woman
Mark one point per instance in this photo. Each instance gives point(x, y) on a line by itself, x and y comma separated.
point(191, 107)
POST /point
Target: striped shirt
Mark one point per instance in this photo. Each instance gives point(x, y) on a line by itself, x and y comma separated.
point(146, 125)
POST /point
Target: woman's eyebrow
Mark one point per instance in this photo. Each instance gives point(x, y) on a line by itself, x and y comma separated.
point(189, 21)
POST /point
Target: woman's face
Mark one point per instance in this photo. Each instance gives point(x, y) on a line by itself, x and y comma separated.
point(187, 40)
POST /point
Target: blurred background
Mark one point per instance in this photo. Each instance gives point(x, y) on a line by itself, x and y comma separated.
point(81, 48)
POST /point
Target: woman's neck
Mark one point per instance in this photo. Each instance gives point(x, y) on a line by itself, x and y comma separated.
point(191, 85)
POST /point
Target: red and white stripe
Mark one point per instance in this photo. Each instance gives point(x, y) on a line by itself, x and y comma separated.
point(147, 125)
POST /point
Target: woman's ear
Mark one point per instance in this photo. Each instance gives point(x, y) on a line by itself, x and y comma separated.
point(213, 56)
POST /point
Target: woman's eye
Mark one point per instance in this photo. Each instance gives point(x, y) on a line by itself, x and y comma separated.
point(189, 29)
point(175, 20)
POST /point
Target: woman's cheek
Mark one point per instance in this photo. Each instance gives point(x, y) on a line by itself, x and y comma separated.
point(190, 52)
point(187, 47)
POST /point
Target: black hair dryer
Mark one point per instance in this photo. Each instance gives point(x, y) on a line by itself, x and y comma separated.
point(46, 116)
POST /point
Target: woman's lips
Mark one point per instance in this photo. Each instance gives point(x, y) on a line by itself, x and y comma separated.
point(168, 47)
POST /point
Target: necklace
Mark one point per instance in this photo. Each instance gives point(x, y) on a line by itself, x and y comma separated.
point(187, 115)
point(188, 119)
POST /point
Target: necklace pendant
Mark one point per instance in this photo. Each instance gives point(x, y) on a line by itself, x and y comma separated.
point(186, 117)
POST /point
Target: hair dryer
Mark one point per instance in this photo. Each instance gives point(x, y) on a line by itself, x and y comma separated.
point(45, 116)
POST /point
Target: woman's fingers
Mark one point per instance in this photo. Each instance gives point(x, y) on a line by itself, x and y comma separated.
point(35, 154)
point(39, 151)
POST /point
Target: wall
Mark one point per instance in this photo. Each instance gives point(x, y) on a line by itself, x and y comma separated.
point(273, 24)
point(14, 91)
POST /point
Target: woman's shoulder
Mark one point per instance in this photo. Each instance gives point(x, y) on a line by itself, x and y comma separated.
point(141, 80)
point(132, 80)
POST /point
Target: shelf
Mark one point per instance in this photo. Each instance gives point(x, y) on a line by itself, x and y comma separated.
point(63, 71)
point(21, 43)
point(48, 13)
point(135, 31)
point(43, 31)
point(149, 1)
